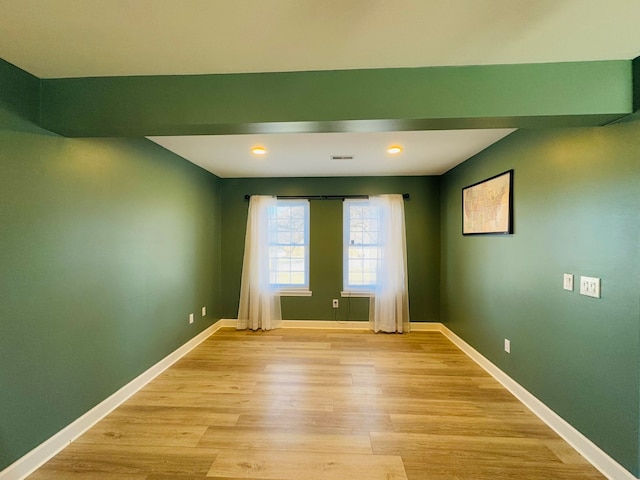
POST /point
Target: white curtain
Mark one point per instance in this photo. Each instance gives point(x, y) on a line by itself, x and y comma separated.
point(389, 303)
point(259, 300)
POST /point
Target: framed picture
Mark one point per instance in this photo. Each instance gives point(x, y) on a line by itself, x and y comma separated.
point(487, 206)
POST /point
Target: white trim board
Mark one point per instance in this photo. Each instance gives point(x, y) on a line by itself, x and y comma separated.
point(341, 325)
point(26, 465)
point(33, 460)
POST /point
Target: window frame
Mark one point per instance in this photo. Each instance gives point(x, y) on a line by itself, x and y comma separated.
point(290, 289)
point(355, 290)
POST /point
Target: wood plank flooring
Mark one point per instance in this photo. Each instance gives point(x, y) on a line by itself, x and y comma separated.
point(321, 405)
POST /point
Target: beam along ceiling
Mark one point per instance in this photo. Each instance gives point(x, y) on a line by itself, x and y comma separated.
point(83, 38)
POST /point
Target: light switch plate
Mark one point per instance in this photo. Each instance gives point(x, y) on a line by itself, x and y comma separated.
point(507, 345)
point(590, 286)
point(568, 282)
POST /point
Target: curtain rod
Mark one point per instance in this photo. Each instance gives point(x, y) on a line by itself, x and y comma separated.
point(406, 196)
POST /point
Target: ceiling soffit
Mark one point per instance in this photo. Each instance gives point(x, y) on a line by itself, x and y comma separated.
point(434, 98)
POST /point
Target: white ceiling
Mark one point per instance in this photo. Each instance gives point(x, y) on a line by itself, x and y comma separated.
point(309, 154)
point(79, 38)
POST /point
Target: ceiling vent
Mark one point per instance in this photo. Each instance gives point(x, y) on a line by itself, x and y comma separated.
point(342, 157)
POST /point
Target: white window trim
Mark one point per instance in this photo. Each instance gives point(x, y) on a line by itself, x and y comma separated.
point(352, 290)
point(356, 293)
point(293, 292)
point(302, 290)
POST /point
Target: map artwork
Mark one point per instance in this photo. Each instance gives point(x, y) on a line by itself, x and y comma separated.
point(487, 206)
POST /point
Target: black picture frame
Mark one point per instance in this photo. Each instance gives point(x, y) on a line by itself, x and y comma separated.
point(487, 206)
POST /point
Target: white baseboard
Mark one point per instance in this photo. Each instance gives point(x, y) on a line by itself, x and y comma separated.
point(312, 324)
point(33, 460)
point(589, 450)
point(426, 327)
point(341, 325)
point(45, 451)
point(325, 324)
point(228, 322)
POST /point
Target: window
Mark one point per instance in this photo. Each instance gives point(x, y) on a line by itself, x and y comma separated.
point(361, 250)
point(289, 245)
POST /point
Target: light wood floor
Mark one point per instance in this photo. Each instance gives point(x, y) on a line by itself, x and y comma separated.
point(321, 405)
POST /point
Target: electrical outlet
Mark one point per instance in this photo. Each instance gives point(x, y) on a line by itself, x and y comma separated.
point(335, 303)
point(590, 286)
point(190, 318)
point(568, 282)
point(204, 311)
point(507, 345)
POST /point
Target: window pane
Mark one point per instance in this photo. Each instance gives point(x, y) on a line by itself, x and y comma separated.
point(297, 278)
point(370, 252)
point(289, 240)
point(283, 237)
point(369, 278)
point(297, 264)
point(356, 238)
point(355, 279)
point(369, 266)
point(283, 264)
point(361, 244)
point(284, 212)
point(297, 237)
point(282, 278)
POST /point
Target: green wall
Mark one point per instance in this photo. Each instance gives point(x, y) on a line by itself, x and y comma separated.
point(577, 210)
point(422, 217)
point(106, 246)
point(480, 96)
point(19, 93)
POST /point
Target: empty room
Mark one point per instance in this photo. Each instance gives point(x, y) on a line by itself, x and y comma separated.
point(281, 240)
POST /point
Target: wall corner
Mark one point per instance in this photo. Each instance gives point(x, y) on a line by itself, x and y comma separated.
point(636, 83)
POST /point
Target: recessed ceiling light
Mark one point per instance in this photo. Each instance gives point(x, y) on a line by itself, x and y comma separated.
point(259, 150)
point(394, 149)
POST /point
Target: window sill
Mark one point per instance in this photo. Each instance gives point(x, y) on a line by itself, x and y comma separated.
point(295, 293)
point(356, 293)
